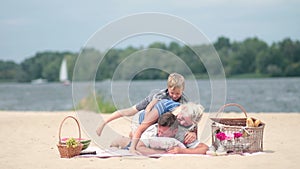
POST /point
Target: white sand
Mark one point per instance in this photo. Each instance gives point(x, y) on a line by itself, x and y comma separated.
point(29, 140)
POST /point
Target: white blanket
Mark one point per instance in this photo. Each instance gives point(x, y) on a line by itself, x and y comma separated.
point(115, 152)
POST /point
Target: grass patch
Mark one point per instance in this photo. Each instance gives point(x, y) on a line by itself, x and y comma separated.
point(96, 104)
point(104, 106)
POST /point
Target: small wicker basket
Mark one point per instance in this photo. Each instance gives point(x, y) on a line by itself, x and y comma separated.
point(68, 152)
point(253, 142)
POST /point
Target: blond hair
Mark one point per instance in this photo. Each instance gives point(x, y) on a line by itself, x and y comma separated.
point(176, 80)
point(192, 110)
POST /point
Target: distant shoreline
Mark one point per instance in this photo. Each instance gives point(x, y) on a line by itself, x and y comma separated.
point(235, 77)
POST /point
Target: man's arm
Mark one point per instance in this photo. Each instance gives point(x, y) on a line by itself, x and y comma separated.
point(141, 147)
point(200, 149)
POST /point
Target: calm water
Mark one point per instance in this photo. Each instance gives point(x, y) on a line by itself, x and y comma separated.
point(256, 95)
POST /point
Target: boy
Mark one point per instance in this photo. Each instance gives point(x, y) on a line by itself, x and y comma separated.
point(174, 91)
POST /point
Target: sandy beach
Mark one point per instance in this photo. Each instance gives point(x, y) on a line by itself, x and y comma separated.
point(29, 140)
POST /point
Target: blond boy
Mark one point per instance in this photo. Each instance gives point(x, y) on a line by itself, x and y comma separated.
point(174, 91)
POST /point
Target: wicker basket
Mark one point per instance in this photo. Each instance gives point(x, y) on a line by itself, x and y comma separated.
point(68, 152)
point(251, 142)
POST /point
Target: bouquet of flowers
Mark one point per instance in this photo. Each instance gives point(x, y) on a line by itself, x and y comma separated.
point(222, 136)
point(229, 142)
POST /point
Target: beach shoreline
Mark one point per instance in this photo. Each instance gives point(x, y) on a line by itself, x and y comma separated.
point(29, 140)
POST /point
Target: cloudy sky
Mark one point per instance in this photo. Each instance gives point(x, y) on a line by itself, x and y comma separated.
point(31, 26)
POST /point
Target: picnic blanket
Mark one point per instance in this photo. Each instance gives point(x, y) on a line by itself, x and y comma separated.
point(116, 152)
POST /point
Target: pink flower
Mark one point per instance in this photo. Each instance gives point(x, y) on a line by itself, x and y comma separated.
point(229, 136)
point(237, 135)
point(221, 136)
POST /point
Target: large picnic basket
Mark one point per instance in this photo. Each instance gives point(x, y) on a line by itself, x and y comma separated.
point(250, 138)
point(64, 150)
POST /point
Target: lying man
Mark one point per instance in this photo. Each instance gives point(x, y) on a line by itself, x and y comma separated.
point(160, 138)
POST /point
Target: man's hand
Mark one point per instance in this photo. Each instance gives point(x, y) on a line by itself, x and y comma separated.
point(174, 150)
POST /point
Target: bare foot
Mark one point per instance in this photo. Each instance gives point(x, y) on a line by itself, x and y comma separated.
point(99, 130)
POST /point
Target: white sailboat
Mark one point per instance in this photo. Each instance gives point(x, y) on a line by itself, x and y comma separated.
point(63, 73)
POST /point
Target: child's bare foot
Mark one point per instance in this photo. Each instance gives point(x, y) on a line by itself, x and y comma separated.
point(99, 130)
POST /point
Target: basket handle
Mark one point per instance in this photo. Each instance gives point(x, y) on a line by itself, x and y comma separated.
point(233, 104)
point(59, 134)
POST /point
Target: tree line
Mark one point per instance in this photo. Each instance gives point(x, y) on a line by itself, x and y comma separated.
point(251, 57)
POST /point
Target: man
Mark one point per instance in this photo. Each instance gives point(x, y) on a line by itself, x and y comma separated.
point(154, 141)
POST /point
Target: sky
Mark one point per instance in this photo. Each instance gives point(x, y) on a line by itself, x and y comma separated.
point(31, 26)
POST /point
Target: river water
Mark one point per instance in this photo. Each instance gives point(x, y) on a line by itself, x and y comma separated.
point(255, 95)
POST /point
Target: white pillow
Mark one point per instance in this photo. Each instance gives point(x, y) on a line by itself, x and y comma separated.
point(163, 143)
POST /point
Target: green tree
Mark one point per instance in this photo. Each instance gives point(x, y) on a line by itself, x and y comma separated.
point(174, 48)
point(243, 58)
point(221, 43)
point(8, 70)
point(158, 45)
point(44, 65)
point(270, 61)
point(251, 56)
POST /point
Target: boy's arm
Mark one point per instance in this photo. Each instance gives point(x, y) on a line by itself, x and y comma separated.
point(151, 105)
point(136, 136)
point(150, 118)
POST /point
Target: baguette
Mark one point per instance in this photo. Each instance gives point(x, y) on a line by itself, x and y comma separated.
point(257, 123)
point(249, 122)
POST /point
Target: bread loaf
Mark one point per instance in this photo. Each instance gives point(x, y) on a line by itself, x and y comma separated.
point(257, 123)
point(249, 122)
